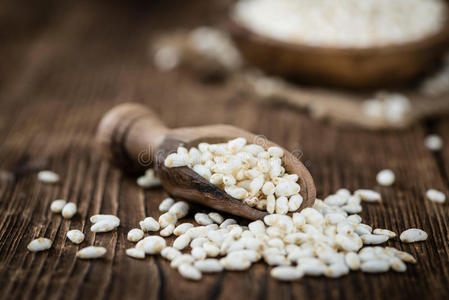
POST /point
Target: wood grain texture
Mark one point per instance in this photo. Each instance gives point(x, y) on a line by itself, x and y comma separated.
point(64, 64)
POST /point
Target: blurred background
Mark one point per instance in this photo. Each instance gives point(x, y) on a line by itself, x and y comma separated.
point(369, 64)
point(351, 86)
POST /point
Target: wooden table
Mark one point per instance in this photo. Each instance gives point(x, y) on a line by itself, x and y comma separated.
point(64, 63)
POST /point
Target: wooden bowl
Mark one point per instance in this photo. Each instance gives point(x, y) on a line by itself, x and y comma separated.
point(344, 67)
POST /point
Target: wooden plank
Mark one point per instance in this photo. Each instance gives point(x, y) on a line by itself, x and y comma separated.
point(49, 108)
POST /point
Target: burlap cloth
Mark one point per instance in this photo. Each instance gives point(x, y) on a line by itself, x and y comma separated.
point(343, 108)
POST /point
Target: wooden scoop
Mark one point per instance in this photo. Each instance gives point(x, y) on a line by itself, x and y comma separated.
point(132, 136)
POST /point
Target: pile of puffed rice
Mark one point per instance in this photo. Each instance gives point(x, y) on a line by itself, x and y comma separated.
point(213, 46)
point(391, 108)
point(343, 23)
point(327, 239)
point(244, 171)
point(323, 240)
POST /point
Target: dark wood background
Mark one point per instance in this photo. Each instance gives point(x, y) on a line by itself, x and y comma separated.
point(64, 63)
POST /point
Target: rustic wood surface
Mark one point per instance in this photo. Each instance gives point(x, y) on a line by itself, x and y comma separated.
point(63, 64)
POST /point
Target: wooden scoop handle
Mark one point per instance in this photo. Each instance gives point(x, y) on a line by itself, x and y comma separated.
point(130, 134)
